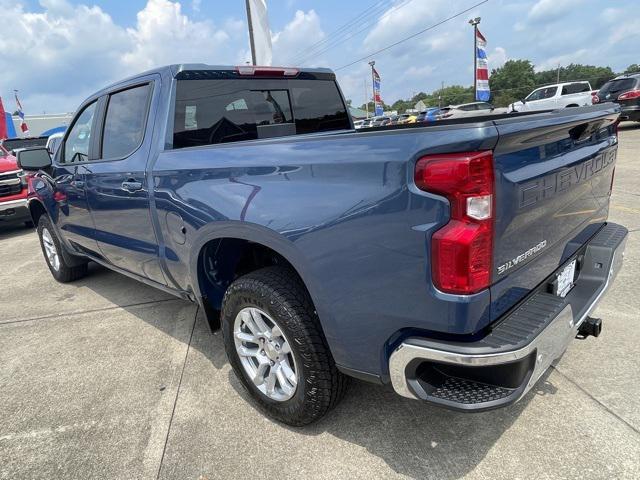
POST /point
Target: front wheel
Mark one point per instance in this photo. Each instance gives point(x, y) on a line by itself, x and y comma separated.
point(57, 260)
point(277, 349)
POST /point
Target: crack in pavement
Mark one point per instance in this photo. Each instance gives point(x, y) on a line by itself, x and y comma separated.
point(81, 312)
point(175, 401)
point(592, 397)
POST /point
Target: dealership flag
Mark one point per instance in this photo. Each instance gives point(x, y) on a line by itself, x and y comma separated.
point(377, 100)
point(23, 124)
point(260, 31)
point(3, 123)
point(482, 69)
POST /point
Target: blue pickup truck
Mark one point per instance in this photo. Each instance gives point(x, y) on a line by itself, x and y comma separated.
point(452, 261)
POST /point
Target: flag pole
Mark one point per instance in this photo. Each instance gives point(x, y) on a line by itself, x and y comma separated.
point(373, 86)
point(474, 22)
point(251, 39)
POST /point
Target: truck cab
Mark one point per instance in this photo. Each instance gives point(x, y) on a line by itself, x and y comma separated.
point(550, 97)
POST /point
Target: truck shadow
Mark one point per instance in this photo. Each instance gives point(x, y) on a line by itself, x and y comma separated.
point(412, 438)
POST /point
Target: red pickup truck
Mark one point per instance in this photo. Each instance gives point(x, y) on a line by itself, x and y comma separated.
point(13, 190)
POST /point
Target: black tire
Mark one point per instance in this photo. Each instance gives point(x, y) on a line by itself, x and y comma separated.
point(278, 292)
point(70, 267)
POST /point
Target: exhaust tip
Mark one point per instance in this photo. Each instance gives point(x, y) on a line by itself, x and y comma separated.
point(590, 327)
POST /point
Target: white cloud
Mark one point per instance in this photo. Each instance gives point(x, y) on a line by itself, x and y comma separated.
point(293, 42)
point(545, 10)
point(59, 55)
point(163, 35)
point(497, 57)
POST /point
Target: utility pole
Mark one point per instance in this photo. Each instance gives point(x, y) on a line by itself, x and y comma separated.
point(373, 86)
point(251, 39)
point(474, 23)
point(440, 95)
point(558, 75)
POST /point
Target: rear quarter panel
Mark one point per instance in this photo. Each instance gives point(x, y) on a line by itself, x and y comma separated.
point(343, 210)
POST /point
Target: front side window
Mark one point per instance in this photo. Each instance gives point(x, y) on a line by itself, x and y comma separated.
point(125, 122)
point(211, 111)
point(76, 147)
point(542, 93)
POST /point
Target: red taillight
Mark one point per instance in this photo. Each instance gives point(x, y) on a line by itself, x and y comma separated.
point(630, 95)
point(462, 250)
point(267, 71)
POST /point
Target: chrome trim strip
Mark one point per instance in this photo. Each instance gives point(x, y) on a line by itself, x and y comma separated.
point(549, 344)
point(12, 204)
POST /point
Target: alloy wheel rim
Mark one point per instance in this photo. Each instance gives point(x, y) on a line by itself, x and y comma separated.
point(50, 250)
point(265, 354)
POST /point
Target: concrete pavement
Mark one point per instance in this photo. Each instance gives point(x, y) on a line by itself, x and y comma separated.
point(109, 378)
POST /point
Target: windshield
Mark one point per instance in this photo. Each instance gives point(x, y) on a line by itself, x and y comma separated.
point(3, 152)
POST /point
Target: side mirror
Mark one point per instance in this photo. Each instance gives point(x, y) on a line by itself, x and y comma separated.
point(34, 159)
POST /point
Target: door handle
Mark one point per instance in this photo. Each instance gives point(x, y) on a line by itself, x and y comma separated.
point(131, 185)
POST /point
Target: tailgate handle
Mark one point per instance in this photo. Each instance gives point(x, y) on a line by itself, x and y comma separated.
point(584, 131)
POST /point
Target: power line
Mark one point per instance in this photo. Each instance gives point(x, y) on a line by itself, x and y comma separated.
point(412, 36)
point(349, 35)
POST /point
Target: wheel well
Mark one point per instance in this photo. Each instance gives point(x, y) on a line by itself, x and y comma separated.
point(37, 210)
point(223, 260)
point(571, 105)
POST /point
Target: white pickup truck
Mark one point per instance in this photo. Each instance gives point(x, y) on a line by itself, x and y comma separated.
point(551, 97)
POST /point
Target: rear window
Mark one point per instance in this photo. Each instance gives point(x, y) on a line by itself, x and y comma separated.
point(220, 111)
point(619, 85)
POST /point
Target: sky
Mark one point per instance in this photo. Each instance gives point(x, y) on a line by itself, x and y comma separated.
point(58, 52)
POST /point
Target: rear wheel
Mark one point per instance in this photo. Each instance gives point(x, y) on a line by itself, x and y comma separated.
point(63, 266)
point(276, 347)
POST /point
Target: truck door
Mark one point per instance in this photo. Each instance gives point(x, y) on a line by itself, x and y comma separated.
point(69, 170)
point(117, 187)
point(542, 99)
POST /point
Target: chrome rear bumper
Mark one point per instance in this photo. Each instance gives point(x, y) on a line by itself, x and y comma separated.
point(529, 339)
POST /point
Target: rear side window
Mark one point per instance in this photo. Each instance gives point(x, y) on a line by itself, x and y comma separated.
point(221, 111)
point(125, 122)
point(575, 88)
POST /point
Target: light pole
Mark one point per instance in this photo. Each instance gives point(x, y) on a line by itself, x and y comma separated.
point(373, 86)
point(474, 23)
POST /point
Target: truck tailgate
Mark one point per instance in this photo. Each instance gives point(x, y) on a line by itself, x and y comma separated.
point(553, 179)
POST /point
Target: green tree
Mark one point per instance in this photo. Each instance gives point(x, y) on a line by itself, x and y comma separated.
point(633, 68)
point(512, 82)
point(596, 76)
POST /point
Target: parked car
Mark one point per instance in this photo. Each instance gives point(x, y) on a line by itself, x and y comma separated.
point(53, 142)
point(551, 97)
point(407, 118)
point(367, 123)
point(625, 91)
point(471, 109)
point(433, 259)
point(13, 190)
point(429, 115)
point(393, 119)
point(380, 121)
